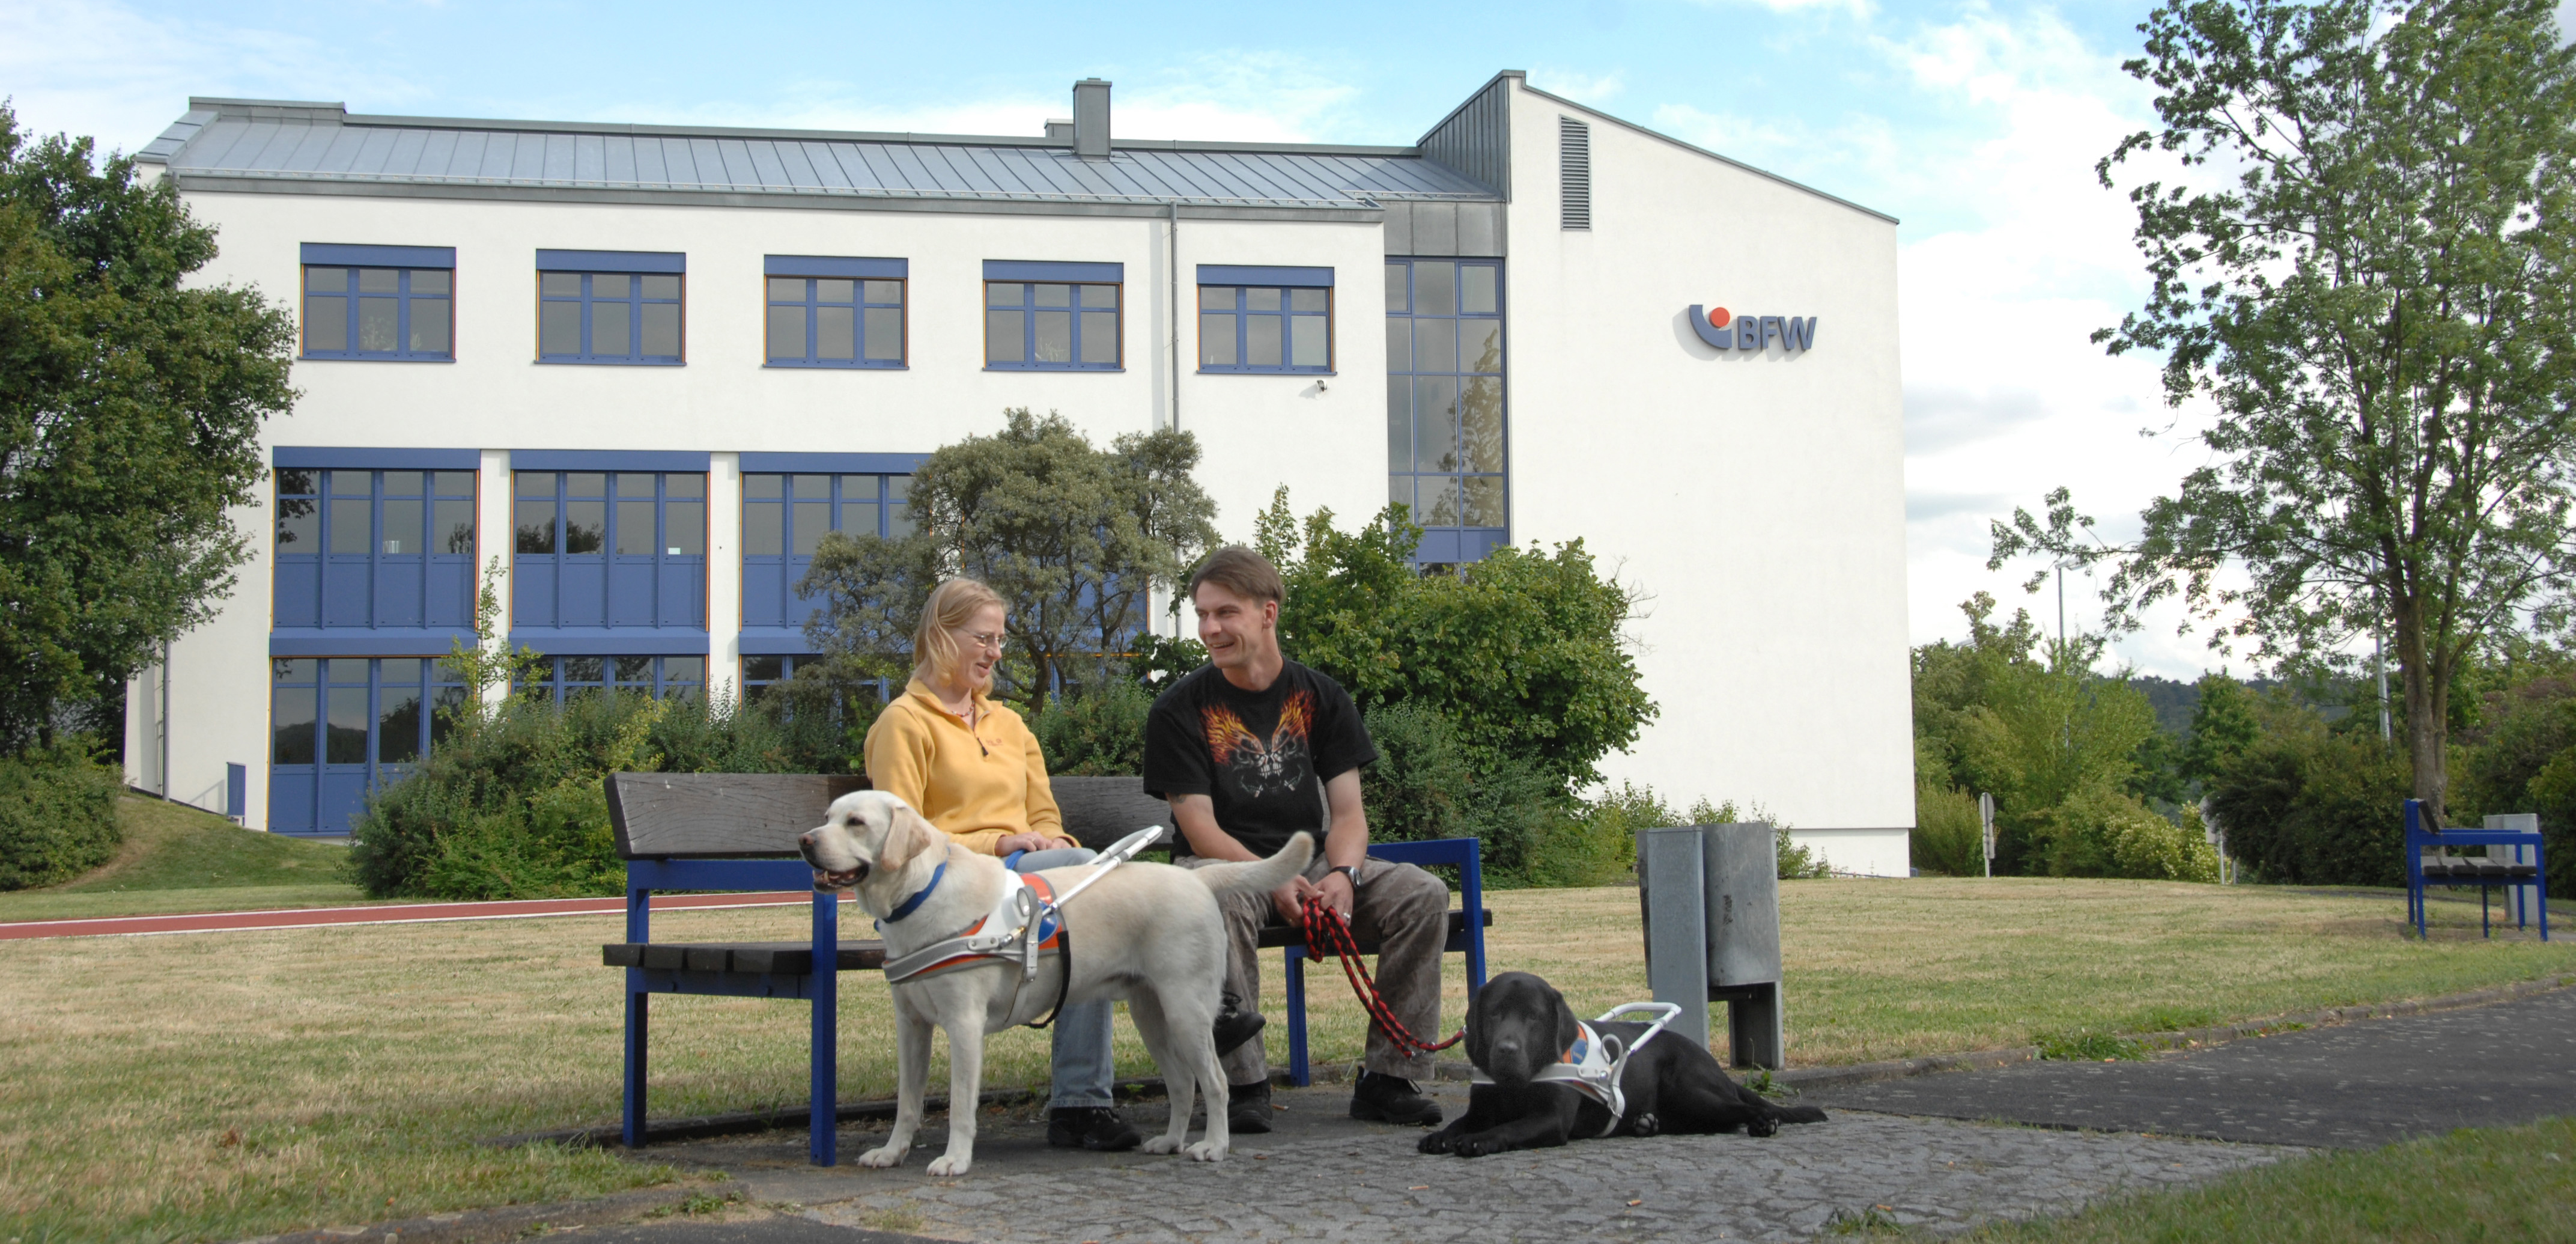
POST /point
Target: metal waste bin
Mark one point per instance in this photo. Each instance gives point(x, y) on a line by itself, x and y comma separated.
point(1710, 895)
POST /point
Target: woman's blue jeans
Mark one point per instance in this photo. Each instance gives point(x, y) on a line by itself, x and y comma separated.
point(1083, 1069)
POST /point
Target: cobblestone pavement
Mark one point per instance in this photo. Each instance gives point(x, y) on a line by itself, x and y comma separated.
point(2354, 1086)
point(1323, 1176)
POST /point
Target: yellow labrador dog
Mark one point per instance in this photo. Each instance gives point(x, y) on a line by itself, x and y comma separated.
point(1149, 933)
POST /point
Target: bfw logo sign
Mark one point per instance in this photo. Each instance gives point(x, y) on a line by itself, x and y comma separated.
point(1728, 331)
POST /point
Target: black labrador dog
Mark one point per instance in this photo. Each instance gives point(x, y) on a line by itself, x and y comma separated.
point(1520, 1023)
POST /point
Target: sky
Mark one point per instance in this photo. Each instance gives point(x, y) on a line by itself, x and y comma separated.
point(1977, 124)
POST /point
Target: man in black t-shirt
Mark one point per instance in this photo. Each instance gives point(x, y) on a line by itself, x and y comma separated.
point(1250, 749)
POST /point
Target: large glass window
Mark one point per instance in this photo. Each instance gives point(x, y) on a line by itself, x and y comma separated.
point(374, 548)
point(399, 314)
point(1045, 325)
point(835, 322)
point(1445, 414)
point(609, 548)
point(785, 516)
point(609, 317)
point(1258, 329)
point(341, 726)
point(658, 677)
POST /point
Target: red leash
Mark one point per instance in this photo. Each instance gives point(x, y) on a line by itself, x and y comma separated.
point(1326, 930)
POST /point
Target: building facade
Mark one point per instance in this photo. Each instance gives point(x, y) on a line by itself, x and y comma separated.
point(641, 369)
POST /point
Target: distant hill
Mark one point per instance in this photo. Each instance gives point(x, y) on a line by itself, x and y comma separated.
point(2173, 700)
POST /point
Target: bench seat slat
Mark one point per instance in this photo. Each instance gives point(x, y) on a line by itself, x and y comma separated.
point(787, 958)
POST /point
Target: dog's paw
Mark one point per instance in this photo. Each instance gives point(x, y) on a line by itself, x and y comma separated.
point(1162, 1143)
point(1477, 1147)
point(886, 1155)
point(1645, 1124)
point(1207, 1151)
point(1763, 1125)
point(1437, 1142)
point(947, 1164)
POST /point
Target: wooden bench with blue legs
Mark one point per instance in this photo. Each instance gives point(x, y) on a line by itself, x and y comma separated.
point(2487, 874)
point(737, 832)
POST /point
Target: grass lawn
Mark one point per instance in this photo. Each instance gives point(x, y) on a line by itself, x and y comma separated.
point(296, 1078)
point(178, 859)
point(2513, 1183)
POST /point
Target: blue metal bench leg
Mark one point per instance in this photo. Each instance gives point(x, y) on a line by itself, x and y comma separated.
point(825, 1106)
point(1297, 1070)
point(639, 1010)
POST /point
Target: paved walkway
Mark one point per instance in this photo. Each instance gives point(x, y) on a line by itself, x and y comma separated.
point(1323, 1176)
point(2356, 1086)
point(387, 913)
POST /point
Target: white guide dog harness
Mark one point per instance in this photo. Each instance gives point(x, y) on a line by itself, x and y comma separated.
point(1025, 925)
point(1591, 1067)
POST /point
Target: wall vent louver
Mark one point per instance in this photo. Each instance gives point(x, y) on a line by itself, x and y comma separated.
point(1574, 171)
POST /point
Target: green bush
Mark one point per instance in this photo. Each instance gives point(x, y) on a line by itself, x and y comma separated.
point(57, 815)
point(1426, 784)
point(1095, 731)
point(1949, 838)
point(513, 805)
point(2103, 831)
point(2312, 808)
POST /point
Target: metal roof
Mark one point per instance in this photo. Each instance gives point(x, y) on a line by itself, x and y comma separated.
point(295, 142)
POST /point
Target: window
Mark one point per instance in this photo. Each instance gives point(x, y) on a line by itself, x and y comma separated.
point(363, 548)
point(826, 311)
point(392, 303)
point(609, 548)
point(659, 677)
point(609, 307)
point(1263, 329)
point(784, 517)
point(1051, 316)
point(1445, 428)
point(341, 726)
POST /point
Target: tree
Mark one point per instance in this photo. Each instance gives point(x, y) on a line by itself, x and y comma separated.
point(2378, 309)
point(2223, 725)
point(1075, 538)
point(129, 421)
point(1521, 652)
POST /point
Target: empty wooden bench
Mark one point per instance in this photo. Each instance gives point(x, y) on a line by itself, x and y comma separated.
point(737, 832)
point(2429, 862)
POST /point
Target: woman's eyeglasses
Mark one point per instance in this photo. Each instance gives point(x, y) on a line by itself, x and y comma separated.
point(982, 639)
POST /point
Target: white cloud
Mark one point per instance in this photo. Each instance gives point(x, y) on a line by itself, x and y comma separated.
point(1596, 90)
point(98, 68)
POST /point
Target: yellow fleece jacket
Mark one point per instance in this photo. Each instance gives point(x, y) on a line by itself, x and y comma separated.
point(976, 785)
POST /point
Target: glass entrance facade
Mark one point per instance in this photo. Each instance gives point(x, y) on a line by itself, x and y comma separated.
point(341, 726)
point(1446, 418)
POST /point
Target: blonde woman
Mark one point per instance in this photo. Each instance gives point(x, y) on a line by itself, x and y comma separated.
point(972, 768)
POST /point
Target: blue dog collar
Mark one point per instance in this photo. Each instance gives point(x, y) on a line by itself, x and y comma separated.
point(913, 904)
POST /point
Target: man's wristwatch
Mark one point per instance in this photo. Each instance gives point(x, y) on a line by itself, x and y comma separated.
point(1351, 871)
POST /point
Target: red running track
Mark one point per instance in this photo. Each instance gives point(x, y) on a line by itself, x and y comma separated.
point(390, 913)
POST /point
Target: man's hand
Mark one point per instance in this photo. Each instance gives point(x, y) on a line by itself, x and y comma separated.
point(1336, 889)
point(1290, 900)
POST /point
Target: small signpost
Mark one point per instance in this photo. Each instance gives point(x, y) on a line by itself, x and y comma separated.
point(1986, 817)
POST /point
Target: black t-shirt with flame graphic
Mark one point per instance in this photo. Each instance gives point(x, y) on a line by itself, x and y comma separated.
point(1261, 757)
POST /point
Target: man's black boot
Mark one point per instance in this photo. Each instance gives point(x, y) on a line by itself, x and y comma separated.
point(1090, 1127)
point(1391, 1099)
point(1247, 1108)
point(1235, 1025)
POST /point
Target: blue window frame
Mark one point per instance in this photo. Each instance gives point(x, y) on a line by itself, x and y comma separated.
point(835, 321)
point(1259, 328)
point(609, 317)
point(404, 315)
point(341, 726)
point(1447, 434)
point(1050, 326)
point(608, 549)
point(784, 517)
point(359, 548)
point(659, 677)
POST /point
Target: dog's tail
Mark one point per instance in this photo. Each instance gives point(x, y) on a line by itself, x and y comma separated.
point(1801, 1114)
point(1259, 876)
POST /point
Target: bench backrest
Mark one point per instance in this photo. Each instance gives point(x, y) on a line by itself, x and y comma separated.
point(758, 815)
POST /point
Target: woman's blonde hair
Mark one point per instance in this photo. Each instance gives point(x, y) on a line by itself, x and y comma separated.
point(951, 605)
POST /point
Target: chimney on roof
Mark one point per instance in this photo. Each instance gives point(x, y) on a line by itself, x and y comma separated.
point(1060, 129)
point(1091, 119)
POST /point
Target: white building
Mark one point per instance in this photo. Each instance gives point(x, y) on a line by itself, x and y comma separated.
point(666, 356)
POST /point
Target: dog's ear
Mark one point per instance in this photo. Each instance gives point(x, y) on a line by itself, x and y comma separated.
point(907, 835)
point(1478, 1042)
point(1566, 1032)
